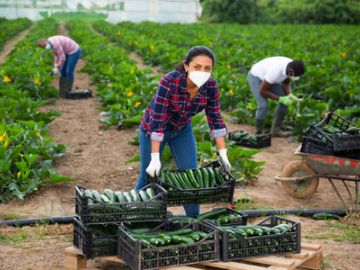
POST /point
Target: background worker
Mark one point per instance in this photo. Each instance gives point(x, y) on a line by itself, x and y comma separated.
point(181, 94)
point(270, 78)
point(67, 53)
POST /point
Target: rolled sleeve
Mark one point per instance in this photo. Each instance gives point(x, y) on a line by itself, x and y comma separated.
point(213, 113)
point(159, 113)
point(155, 136)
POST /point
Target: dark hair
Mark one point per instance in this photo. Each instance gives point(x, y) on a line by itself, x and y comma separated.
point(193, 52)
point(298, 67)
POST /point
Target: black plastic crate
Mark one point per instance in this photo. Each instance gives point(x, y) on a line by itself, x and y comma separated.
point(243, 247)
point(346, 142)
point(149, 211)
point(222, 193)
point(315, 141)
point(241, 220)
point(92, 241)
point(138, 256)
point(263, 140)
point(337, 121)
point(79, 94)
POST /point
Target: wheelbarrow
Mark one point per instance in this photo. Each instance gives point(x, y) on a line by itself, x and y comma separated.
point(300, 178)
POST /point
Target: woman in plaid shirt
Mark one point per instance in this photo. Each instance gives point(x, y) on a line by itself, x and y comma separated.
point(181, 94)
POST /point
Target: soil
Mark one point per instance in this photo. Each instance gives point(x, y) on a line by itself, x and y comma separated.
point(96, 159)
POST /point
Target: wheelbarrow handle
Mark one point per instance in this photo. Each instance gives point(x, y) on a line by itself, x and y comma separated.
point(296, 178)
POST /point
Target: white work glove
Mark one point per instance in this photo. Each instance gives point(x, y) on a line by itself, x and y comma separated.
point(224, 159)
point(54, 71)
point(155, 165)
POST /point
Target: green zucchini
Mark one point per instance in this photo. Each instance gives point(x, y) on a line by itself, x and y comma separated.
point(110, 194)
point(150, 192)
point(144, 197)
point(186, 240)
point(212, 179)
point(96, 196)
point(105, 198)
point(135, 196)
point(186, 181)
point(205, 176)
point(198, 178)
point(88, 194)
point(181, 182)
point(173, 180)
point(192, 179)
point(119, 196)
point(157, 241)
point(212, 214)
point(127, 197)
point(218, 176)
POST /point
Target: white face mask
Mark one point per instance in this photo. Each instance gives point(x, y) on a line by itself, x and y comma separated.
point(48, 46)
point(294, 78)
point(199, 77)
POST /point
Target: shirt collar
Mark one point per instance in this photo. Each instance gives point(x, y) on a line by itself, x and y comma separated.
point(183, 77)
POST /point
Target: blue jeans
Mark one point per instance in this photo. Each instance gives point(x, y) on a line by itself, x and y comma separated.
point(183, 149)
point(276, 88)
point(68, 67)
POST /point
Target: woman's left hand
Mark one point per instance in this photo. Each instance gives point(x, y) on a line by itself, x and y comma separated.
point(224, 159)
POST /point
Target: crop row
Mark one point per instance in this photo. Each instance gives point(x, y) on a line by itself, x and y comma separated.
point(26, 150)
point(10, 28)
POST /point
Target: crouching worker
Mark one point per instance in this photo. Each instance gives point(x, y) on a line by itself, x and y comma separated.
point(181, 94)
point(67, 53)
point(270, 78)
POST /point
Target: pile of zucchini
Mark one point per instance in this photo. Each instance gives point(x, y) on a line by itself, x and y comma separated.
point(220, 217)
point(182, 236)
point(110, 196)
point(253, 230)
point(206, 177)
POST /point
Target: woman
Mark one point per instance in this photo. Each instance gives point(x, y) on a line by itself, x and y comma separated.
point(181, 94)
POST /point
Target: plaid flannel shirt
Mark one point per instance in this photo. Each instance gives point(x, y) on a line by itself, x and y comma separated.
point(62, 46)
point(172, 110)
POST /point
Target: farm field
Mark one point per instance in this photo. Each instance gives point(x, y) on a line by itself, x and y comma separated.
point(48, 144)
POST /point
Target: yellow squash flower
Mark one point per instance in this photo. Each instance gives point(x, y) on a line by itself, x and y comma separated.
point(249, 106)
point(37, 81)
point(2, 137)
point(6, 79)
point(137, 103)
point(5, 139)
point(130, 94)
point(231, 92)
point(343, 54)
point(228, 66)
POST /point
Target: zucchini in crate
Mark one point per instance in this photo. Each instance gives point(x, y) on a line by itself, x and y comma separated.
point(165, 247)
point(147, 204)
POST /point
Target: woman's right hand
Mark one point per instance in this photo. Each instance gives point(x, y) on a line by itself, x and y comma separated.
point(155, 165)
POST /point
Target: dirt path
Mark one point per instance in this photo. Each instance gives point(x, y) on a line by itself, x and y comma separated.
point(9, 46)
point(97, 159)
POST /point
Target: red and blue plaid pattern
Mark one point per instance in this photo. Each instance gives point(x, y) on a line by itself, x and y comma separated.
point(171, 108)
point(62, 46)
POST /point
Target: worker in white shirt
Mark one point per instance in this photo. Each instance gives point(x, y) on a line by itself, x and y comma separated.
point(270, 78)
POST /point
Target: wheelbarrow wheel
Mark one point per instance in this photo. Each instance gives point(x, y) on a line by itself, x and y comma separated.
point(302, 188)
